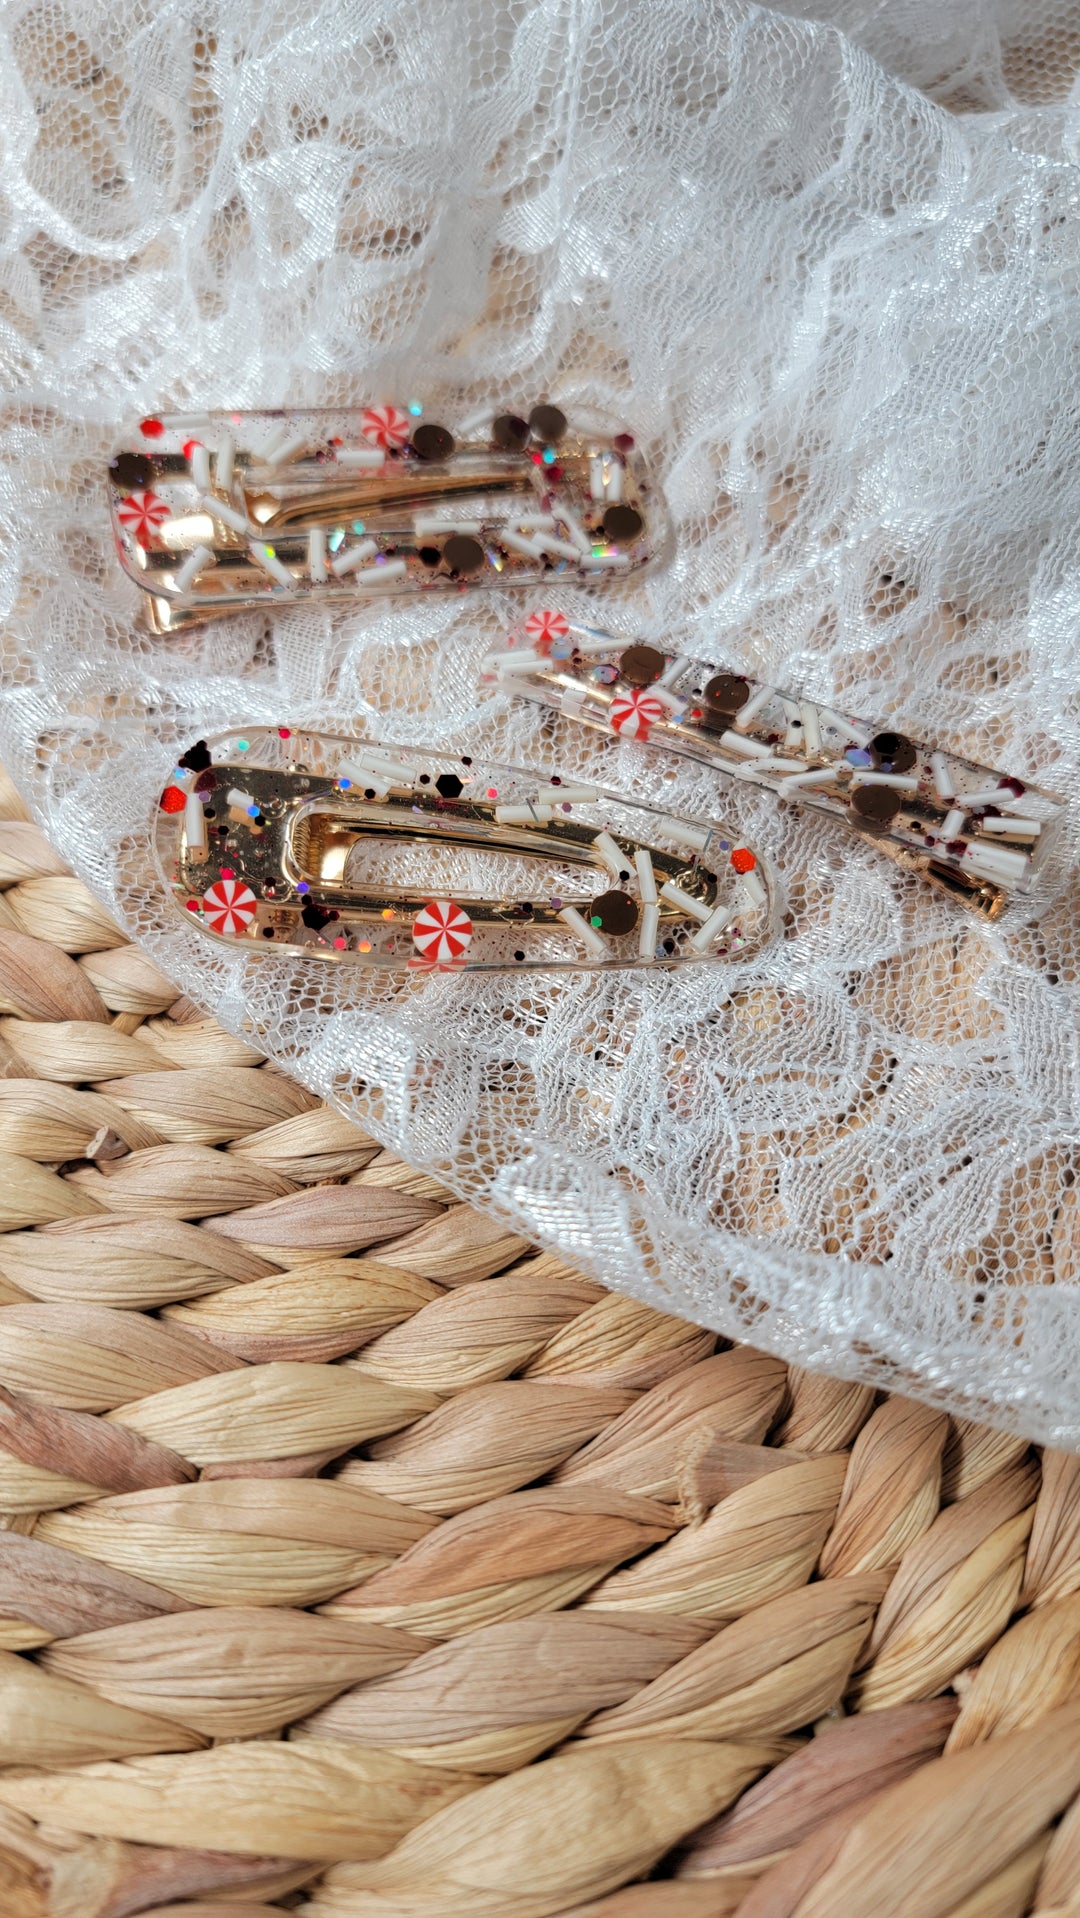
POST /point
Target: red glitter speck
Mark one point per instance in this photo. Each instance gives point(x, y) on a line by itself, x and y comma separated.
point(624, 442)
point(743, 859)
point(151, 429)
point(537, 459)
point(193, 905)
point(173, 800)
point(340, 944)
point(555, 474)
point(1015, 786)
point(189, 447)
point(227, 872)
point(284, 732)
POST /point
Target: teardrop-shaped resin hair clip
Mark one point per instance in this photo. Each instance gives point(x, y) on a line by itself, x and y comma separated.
point(419, 860)
point(985, 838)
point(222, 512)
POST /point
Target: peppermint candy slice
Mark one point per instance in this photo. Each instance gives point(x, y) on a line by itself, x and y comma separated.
point(384, 426)
point(442, 931)
point(229, 906)
point(634, 712)
point(142, 514)
point(545, 627)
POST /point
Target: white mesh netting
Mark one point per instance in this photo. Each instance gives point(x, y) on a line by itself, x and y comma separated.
point(825, 261)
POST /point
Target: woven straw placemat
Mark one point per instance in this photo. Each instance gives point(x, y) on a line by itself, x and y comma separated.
point(357, 1559)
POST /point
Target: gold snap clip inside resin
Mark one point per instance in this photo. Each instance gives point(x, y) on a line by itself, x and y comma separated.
point(222, 512)
point(414, 859)
point(985, 838)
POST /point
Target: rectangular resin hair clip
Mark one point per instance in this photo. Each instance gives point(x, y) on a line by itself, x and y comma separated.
point(221, 512)
point(349, 851)
point(983, 837)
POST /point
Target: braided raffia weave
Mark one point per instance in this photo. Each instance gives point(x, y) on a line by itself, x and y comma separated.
point(356, 1559)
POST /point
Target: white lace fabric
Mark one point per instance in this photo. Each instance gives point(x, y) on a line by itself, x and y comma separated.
point(824, 262)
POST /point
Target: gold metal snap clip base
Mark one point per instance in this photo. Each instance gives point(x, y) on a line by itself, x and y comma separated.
point(223, 512)
point(419, 860)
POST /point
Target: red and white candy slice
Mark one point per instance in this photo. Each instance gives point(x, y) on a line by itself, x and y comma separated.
point(142, 514)
point(384, 426)
point(229, 906)
point(544, 628)
point(634, 712)
point(442, 931)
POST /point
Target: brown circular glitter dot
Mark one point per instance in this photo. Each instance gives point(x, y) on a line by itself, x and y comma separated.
point(432, 442)
point(726, 693)
point(463, 554)
point(509, 432)
point(641, 665)
point(616, 911)
point(622, 522)
point(547, 423)
point(875, 807)
point(893, 750)
point(132, 471)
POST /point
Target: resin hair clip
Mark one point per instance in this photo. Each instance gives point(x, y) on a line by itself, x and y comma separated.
point(354, 852)
point(220, 512)
point(983, 837)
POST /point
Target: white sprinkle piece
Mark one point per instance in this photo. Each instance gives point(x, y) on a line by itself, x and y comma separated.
point(943, 779)
point(589, 934)
point(226, 515)
point(614, 859)
point(672, 670)
point(753, 706)
point(750, 748)
point(223, 461)
point(596, 478)
point(901, 782)
point(567, 795)
point(695, 837)
point(270, 563)
point(612, 478)
point(684, 900)
point(535, 522)
point(199, 462)
point(194, 824)
point(1000, 861)
point(710, 931)
point(241, 800)
point(601, 562)
point(791, 710)
point(823, 776)
point(846, 728)
point(503, 663)
point(811, 731)
point(186, 575)
point(266, 448)
point(285, 447)
point(573, 526)
point(987, 796)
point(524, 815)
point(774, 764)
point(667, 698)
point(350, 557)
point(646, 875)
point(517, 543)
point(381, 575)
point(560, 547)
point(316, 554)
point(751, 891)
point(650, 927)
point(171, 420)
point(1016, 828)
point(429, 526)
point(952, 824)
point(361, 459)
